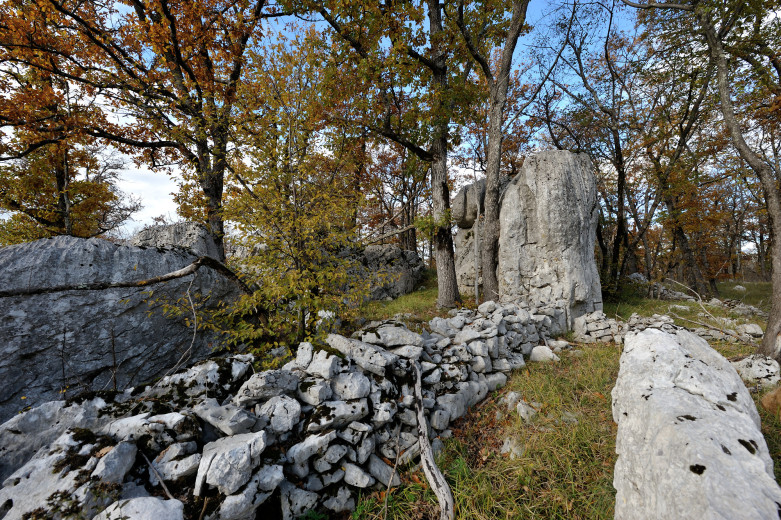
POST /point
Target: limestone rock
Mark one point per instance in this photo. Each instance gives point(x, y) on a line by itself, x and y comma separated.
point(72, 341)
point(382, 472)
point(115, 464)
point(244, 504)
point(548, 221)
point(398, 336)
point(689, 442)
point(351, 385)
point(334, 414)
point(143, 508)
point(188, 235)
point(543, 354)
point(393, 270)
point(369, 357)
point(230, 419)
point(751, 329)
point(264, 385)
point(281, 412)
point(759, 369)
point(227, 463)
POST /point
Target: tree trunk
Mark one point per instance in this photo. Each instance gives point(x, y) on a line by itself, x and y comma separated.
point(490, 238)
point(771, 343)
point(443, 239)
point(615, 257)
point(64, 206)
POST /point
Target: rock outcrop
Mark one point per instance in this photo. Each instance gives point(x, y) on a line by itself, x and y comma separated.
point(60, 339)
point(548, 217)
point(187, 235)
point(393, 270)
point(689, 442)
point(548, 225)
point(313, 433)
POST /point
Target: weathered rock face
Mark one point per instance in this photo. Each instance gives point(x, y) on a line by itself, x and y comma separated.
point(57, 343)
point(548, 224)
point(188, 235)
point(689, 442)
point(464, 210)
point(547, 221)
point(404, 270)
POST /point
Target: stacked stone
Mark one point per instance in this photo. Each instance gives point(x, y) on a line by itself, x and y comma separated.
point(332, 421)
point(596, 327)
point(738, 307)
point(662, 292)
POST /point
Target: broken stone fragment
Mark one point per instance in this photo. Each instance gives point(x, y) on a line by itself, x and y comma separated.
point(357, 477)
point(115, 464)
point(228, 418)
point(265, 385)
point(227, 463)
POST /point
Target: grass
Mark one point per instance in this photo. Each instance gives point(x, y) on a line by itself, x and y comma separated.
point(632, 300)
point(566, 470)
point(415, 308)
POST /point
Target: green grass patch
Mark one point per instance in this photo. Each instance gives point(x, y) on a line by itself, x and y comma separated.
point(566, 470)
point(414, 308)
point(633, 299)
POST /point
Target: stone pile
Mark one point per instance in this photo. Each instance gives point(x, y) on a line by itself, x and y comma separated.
point(332, 421)
point(740, 308)
point(689, 442)
point(596, 327)
point(662, 292)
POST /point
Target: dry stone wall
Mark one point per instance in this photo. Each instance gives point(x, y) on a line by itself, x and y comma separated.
point(280, 442)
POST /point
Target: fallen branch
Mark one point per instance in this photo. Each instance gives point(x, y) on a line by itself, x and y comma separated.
point(434, 476)
point(711, 327)
point(157, 474)
point(203, 261)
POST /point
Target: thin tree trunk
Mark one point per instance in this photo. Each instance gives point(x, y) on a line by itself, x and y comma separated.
point(771, 343)
point(443, 239)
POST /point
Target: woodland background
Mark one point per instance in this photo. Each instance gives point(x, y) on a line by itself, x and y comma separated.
point(302, 129)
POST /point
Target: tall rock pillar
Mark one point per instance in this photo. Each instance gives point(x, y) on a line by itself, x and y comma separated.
point(548, 225)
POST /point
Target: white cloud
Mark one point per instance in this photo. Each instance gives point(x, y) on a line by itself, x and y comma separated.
point(154, 189)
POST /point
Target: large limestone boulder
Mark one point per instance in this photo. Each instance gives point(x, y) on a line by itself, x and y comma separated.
point(188, 235)
point(689, 442)
point(57, 343)
point(548, 220)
